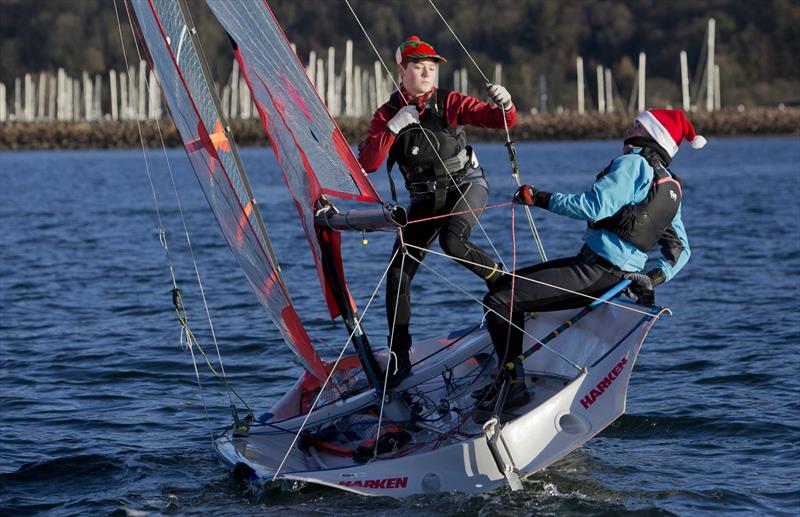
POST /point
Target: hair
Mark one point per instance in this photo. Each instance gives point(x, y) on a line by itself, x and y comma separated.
point(416, 59)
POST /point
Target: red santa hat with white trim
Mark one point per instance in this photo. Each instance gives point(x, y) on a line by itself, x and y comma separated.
point(668, 128)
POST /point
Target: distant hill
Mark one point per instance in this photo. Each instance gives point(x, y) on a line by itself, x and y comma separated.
point(758, 43)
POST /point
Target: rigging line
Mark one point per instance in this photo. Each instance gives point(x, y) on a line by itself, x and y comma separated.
point(149, 85)
point(333, 368)
point(462, 212)
point(389, 355)
point(509, 143)
point(525, 278)
point(544, 345)
point(425, 134)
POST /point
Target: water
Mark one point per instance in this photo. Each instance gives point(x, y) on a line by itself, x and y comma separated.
point(101, 412)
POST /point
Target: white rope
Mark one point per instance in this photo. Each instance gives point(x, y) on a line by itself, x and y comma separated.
point(391, 342)
point(333, 369)
point(544, 345)
point(150, 87)
point(526, 279)
point(534, 232)
point(425, 134)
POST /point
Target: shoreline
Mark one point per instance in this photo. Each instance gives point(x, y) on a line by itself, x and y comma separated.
point(539, 127)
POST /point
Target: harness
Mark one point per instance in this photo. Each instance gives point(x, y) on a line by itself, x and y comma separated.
point(643, 224)
point(428, 169)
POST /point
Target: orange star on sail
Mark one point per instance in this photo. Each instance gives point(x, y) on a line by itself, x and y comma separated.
point(212, 143)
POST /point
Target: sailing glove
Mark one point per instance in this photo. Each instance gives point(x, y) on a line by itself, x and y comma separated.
point(499, 96)
point(404, 117)
point(529, 195)
point(642, 288)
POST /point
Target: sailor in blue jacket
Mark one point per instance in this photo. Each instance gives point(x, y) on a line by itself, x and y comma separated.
point(633, 205)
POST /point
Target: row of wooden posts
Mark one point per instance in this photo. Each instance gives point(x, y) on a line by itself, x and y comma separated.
point(354, 91)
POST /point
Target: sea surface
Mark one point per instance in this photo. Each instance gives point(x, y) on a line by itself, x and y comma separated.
point(101, 412)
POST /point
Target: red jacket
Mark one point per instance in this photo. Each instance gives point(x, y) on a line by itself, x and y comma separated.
point(460, 109)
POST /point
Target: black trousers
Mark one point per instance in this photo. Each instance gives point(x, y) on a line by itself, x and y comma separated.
point(453, 233)
point(581, 274)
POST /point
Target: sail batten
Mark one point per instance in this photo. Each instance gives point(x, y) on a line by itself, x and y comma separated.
point(186, 86)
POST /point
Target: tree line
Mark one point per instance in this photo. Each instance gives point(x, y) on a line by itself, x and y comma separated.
point(757, 43)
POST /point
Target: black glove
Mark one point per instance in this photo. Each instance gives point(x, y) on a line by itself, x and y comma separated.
point(642, 287)
point(529, 195)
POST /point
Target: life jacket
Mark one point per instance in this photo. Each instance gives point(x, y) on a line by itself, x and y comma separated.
point(419, 161)
point(643, 224)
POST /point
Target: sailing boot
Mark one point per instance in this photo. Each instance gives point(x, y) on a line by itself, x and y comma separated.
point(400, 360)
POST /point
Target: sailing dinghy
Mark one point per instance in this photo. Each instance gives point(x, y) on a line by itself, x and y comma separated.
point(337, 425)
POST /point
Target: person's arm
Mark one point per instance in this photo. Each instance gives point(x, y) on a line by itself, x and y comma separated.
point(626, 182)
point(465, 110)
point(374, 148)
point(675, 251)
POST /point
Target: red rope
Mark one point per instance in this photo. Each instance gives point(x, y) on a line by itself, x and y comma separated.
point(513, 284)
point(498, 205)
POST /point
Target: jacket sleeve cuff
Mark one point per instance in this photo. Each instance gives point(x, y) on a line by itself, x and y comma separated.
point(542, 199)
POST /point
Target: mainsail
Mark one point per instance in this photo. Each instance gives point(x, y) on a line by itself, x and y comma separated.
point(313, 154)
point(214, 158)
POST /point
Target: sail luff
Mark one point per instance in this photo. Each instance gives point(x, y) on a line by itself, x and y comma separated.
point(212, 156)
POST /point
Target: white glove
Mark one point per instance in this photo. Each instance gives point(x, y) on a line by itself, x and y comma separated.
point(499, 96)
point(405, 116)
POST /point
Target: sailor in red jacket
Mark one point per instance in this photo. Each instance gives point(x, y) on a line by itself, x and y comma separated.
point(419, 129)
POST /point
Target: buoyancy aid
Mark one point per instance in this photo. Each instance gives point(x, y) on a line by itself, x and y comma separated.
point(643, 224)
point(439, 164)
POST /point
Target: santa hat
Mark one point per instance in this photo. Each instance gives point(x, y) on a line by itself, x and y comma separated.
point(668, 128)
point(414, 47)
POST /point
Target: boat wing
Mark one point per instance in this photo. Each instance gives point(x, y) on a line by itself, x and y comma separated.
point(311, 150)
point(214, 157)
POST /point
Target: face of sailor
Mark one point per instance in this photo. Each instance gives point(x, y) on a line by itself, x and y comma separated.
point(418, 77)
point(635, 129)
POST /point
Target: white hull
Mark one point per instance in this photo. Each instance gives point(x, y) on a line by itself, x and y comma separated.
point(567, 408)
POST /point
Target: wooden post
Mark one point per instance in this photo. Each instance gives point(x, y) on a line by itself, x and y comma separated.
point(123, 96)
point(132, 94)
point(142, 108)
point(581, 101)
point(457, 80)
point(685, 81)
point(358, 107)
point(226, 100)
point(61, 88)
point(76, 99)
point(112, 84)
point(247, 103)
point(378, 85)
point(464, 81)
point(153, 107)
point(712, 24)
point(609, 92)
point(542, 93)
point(330, 78)
point(642, 63)
point(3, 109)
point(498, 73)
point(87, 96)
point(97, 102)
point(42, 96)
point(51, 99)
point(311, 69)
point(17, 99)
point(601, 95)
point(234, 112)
point(349, 94)
point(717, 100)
point(29, 107)
point(321, 78)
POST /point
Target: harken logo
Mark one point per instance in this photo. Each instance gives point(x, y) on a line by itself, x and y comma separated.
point(415, 150)
point(604, 384)
point(673, 195)
point(378, 483)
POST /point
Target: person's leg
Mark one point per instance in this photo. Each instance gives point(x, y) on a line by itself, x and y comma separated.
point(539, 291)
point(398, 284)
point(456, 230)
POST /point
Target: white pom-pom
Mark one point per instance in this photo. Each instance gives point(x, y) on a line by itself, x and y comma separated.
point(698, 142)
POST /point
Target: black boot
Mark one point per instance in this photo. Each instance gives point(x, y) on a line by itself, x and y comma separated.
point(399, 358)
